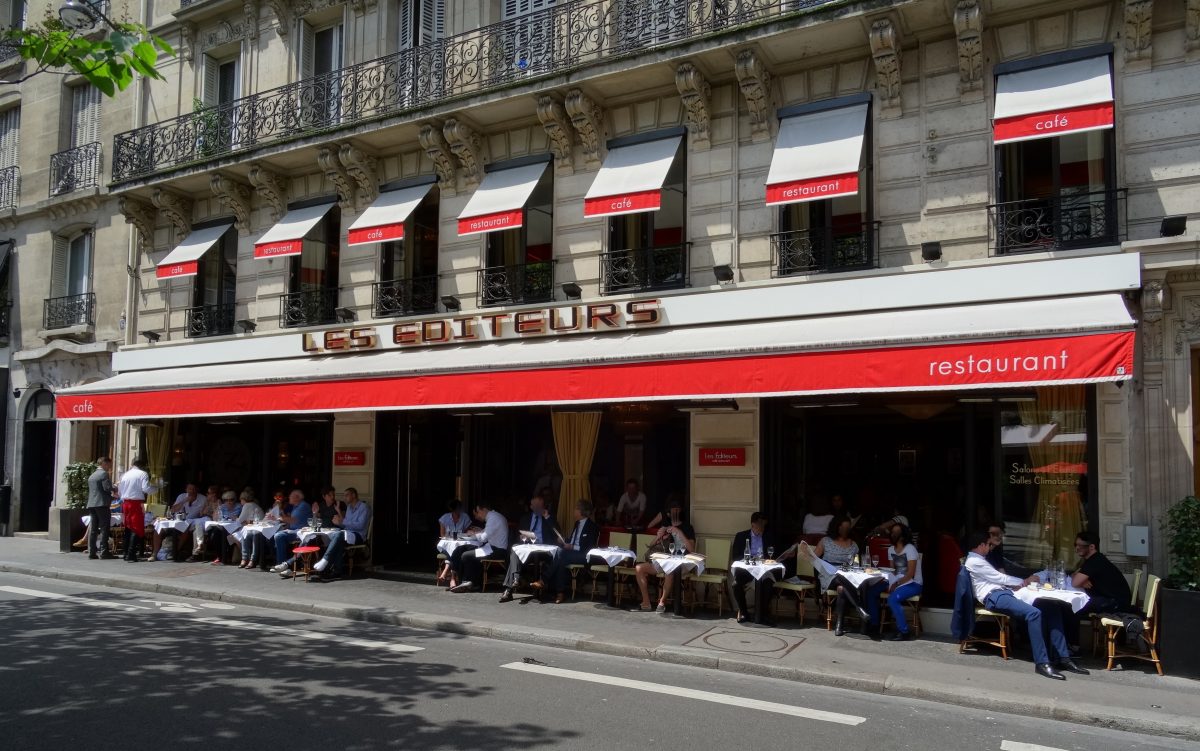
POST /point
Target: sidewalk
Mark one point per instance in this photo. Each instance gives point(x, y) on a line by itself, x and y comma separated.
point(1134, 698)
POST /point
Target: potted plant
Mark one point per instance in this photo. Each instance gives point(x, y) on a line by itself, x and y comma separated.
point(1179, 595)
point(70, 517)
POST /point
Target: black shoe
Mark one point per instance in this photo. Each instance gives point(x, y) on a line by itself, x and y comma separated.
point(1071, 667)
point(93, 557)
point(1048, 670)
point(900, 636)
point(107, 556)
point(507, 596)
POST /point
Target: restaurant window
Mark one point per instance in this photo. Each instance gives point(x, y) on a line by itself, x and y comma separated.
point(519, 263)
point(834, 234)
point(408, 268)
point(649, 250)
point(313, 274)
point(321, 56)
point(214, 289)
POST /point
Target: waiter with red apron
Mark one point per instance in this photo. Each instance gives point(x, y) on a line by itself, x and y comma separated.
point(133, 488)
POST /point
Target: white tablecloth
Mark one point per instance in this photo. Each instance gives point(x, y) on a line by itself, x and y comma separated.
point(179, 525)
point(229, 527)
point(758, 570)
point(668, 564)
point(525, 550)
point(449, 546)
point(267, 529)
point(1076, 598)
point(611, 556)
point(117, 519)
point(826, 571)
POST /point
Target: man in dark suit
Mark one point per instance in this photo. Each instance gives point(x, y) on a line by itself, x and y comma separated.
point(540, 523)
point(573, 550)
point(759, 541)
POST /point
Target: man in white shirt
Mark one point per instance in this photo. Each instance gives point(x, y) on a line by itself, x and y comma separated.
point(466, 563)
point(132, 488)
point(631, 508)
point(189, 503)
point(994, 591)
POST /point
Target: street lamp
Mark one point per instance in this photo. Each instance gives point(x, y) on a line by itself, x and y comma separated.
point(83, 15)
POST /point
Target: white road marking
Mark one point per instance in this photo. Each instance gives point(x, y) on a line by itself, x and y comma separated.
point(1018, 746)
point(111, 605)
point(690, 693)
point(302, 634)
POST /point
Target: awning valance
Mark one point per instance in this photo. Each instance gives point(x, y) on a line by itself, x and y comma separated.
point(384, 219)
point(817, 155)
point(631, 178)
point(286, 238)
point(1049, 101)
point(499, 201)
point(1036, 342)
point(184, 259)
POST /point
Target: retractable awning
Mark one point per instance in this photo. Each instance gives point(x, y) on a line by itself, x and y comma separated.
point(384, 219)
point(286, 238)
point(184, 260)
point(499, 201)
point(631, 178)
point(1036, 342)
point(1052, 100)
point(817, 155)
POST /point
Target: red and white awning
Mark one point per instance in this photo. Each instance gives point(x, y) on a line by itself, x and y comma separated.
point(1085, 339)
point(184, 260)
point(1065, 98)
point(384, 219)
point(817, 155)
point(631, 178)
point(499, 201)
point(286, 238)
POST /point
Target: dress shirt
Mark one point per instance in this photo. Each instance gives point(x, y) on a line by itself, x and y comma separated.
point(536, 523)
point(577, 534)
point(495, 531)
point(985, 579)
point(356, 519)
point(135, 485)
point(191, 509)
point(756, 544)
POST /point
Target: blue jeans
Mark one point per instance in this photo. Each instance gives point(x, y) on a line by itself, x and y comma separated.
point(282, 538)
point(336, 552)
point(253, 547)
point(896, 603)
point(872, 592)
point(1050, 617)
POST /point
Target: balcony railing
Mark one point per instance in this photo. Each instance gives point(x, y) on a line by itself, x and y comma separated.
point(308, 308)
point(70, 311)
point(10, 187)
point(824, 249)
point(75, 169)
point(1074, 220)
point(516, 284)
point(209, 320)
point(644, 269)
point(552, 41)
point(402, 297)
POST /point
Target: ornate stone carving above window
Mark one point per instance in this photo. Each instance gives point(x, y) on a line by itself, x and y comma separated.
point(754, 80)
point(235, 196)
point(176, 207)
point(271, 187)
point(1139, 16)
point(968, 26)
point(558, 128)
point(694, 92)
point(467, 148)
point(438, 151)
point(885, 51)
point(143, 216)
point(588, 121)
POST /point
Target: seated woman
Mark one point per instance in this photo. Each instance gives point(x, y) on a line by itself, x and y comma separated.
point(684, 536)
point(451, 524)
point(904, 558)
point(216, 538)
point(250, 513)
point(256, 543)
point(837, 549)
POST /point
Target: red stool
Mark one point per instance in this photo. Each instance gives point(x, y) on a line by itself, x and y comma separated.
point(304, 555)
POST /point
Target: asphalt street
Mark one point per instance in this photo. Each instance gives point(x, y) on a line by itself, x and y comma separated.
point(98, 668)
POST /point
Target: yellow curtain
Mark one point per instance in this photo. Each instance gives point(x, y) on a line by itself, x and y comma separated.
point(1058, 464)
point(158, 450)
point(575, 444)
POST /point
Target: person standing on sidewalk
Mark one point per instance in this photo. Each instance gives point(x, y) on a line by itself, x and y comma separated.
point(133, 488)
point(100, 494)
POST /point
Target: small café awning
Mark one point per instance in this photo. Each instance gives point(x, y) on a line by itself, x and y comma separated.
point(384, 219)
point(1051, 100)
point(817, 155)
point(631, 178)
point(499, 201)
point(184, 259)
point(286, 238)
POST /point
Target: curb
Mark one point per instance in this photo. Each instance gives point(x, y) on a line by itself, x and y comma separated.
point(1081, 713)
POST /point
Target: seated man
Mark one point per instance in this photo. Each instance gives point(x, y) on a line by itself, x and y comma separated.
point(997, 557)
point(216, 539)
point(556, 574)
point(351, 529)
point(758, 541)
point(212, 501)
point(1108, 592)
point(466, 564)
point(293, 520)
point(994, 591)
point(189, 503)
point(544, 528)
point(684, 537)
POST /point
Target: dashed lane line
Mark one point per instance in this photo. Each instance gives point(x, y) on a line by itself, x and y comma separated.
point(314, 635)
point(76, 599)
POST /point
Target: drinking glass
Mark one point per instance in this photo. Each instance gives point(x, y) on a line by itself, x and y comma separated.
point(770, 552)
point(671, 547)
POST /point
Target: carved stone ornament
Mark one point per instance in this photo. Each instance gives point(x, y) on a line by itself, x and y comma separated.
point(187, 41)
point(250, 11)
point(968, 26)
point(1139, 14)
point(283, 15)
point(1192, 24)
point(361, 167)
point(331, 165)
point(223, 33)
point(271, 187)
point(467, 148)
point(143, 216)
point(885, 50)
point(176, 207)
point(1152, 340)
point(558, 128)
point(73, 207)
point(1155, 299)
point(1187, 329)
point(362, 7)
point(694, 92)
point(235, 196)
point(754, 80)
point(588, 120)
point(438, 151)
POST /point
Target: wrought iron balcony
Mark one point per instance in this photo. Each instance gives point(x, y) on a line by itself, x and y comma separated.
point(517, 284)
point(70, 311)
point(10, 187)
point(308, 308)
point(644, 269)
point(75, 169)
point(402, 297)
point(9, 52)
point(554, 41)
point(1069, 220)
point(823, 249)
point(209, 320)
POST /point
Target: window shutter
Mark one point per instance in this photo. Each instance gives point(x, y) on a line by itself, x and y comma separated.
point(85, 115)
point(433, 20)
point(405, 9)
point(59, 262)
point(212, 82)
point(307, 47)
point(10, 136)
point(338, 58)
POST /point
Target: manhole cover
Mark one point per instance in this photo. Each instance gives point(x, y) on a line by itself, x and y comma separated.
point(747, 641)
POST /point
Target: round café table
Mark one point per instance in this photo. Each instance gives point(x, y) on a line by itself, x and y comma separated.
point(612, 557)
point(760, 570)
point(676, 566)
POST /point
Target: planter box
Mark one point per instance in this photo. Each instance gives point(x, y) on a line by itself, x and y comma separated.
point(70, 527)
point(1180, 615)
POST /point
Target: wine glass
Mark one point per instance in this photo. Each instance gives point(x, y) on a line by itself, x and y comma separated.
point(770, 552)
point(671, 547)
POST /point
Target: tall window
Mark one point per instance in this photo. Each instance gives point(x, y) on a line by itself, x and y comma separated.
point(85, 116)
point(420, 22)
point(519, 263)
point(648, 250)
point(10, 141)
point(313, 275)
point(71, 302)
point(78, 164)
point(216, 274)
point(220, 81)
point(408, 268)
point(833, 234)
point(320, 58)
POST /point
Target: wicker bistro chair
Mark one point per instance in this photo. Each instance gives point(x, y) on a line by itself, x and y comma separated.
point(626, 575)
point(914, 603)
point(805, 571)
point(1135, 583)
point(1003, 639)
point(716, 573)
point(1114, 626)
point(599, 571)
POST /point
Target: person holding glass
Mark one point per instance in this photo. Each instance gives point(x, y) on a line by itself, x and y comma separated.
point(839, 549)
point(906, 561)
point(760, 544)
point(678, 537)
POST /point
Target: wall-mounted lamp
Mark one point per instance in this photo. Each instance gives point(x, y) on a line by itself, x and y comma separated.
point(16, 393)
point(151, 336)
point(344, 315)
point(451, 302)
point(247, 326)
point(1173, 226)
point(931, 251)
point(572, 290)
point(723, 273)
